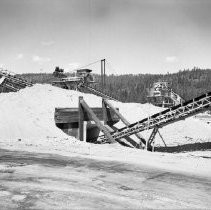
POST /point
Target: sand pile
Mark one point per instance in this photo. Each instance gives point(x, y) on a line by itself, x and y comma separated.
point(28, 115)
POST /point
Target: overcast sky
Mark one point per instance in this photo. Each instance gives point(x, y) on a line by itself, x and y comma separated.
point(135, 36)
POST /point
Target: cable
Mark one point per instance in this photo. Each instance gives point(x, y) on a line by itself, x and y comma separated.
point(109, 66)
point(80, 67)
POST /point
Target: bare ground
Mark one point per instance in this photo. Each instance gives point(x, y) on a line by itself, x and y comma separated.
point(46, 181)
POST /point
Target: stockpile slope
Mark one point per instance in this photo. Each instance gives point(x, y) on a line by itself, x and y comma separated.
point(28, 116)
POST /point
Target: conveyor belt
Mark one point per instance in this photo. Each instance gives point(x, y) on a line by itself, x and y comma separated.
point(165, 117)
point(98, 93)
point(12, 82)
point(11, 87)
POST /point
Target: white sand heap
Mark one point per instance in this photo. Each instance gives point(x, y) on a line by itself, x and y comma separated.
point(28, 115)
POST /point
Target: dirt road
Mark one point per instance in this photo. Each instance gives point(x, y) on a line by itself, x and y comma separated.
point(45, 181)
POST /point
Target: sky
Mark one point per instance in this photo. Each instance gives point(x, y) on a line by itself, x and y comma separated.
point(134, 36)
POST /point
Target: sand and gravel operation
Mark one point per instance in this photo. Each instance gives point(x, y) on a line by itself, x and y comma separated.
point(28, 130)
point(28, 116)
point(27, 121)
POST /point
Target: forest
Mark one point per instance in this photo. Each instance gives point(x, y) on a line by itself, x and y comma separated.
point(187, 83)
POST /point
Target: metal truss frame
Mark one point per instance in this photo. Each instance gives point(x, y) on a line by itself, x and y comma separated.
point(168, 116)
point(13, 82)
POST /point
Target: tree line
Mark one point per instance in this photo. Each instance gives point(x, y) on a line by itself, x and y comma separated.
point(188, 83)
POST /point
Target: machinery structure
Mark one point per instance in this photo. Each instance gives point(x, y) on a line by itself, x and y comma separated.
point(81, 77)
point(160, 94)
point(122, 135)
point(82, 80)
point(161, 119)
point(10, 82)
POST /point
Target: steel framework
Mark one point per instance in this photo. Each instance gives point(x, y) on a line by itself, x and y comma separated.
point(165, 117)
point(12, 82)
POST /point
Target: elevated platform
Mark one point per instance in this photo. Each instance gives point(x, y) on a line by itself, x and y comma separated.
point(160, 94)
point(68, 120)
point(71, 115)
point(82, 76)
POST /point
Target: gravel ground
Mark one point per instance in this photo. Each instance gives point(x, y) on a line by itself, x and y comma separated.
point(47, 181)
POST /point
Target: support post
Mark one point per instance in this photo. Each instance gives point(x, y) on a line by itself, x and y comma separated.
point(153, 145)
point(138, 135)
point(102, 73)
point(96, 120)
point(162, 138)
point(105, 115)
point(85, 131)
point(104, 82)
point(147, 143)
point(81, 119)
point(151, 138)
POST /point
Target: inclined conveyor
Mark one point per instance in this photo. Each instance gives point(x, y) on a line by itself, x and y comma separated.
point(168, 116)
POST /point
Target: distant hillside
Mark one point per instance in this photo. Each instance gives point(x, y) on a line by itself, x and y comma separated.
point(132, 88)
